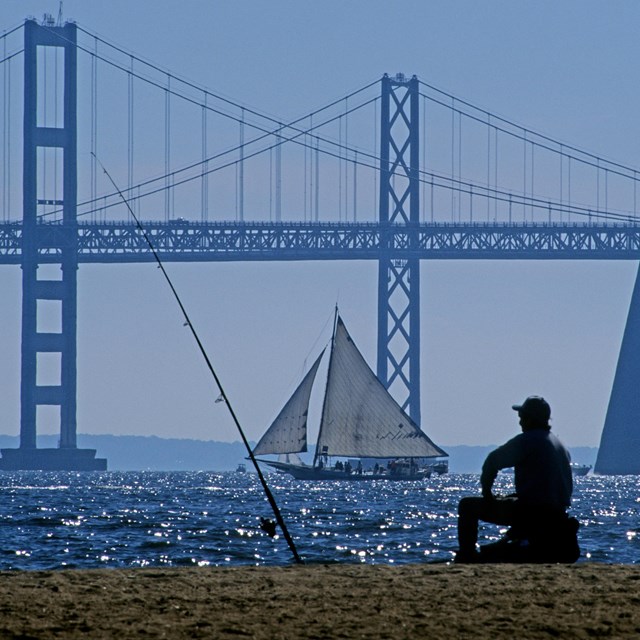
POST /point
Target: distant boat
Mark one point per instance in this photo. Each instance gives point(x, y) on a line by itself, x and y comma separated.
point(580, 469)
point(241, 468)
point(359, 420)
point(441, 467)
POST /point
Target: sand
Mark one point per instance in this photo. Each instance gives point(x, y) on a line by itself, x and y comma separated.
point(325, 601)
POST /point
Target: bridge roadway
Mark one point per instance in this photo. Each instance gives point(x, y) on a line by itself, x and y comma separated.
point(181, 241)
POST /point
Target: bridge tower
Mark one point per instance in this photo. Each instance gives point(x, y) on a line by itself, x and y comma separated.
point(399, 279)
point(620, 440)
point(49, 134)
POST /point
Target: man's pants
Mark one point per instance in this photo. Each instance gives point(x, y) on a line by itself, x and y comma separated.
point(501, 510)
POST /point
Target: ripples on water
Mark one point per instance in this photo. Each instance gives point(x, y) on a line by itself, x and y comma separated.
point(57, 520)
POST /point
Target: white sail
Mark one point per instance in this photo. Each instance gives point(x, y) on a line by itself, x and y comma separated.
point(288, 432)
point(360, 418)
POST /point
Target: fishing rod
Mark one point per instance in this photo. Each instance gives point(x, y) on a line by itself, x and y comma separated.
point(265, 524)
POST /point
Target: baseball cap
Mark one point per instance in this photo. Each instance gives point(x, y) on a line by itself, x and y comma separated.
point(534, 407)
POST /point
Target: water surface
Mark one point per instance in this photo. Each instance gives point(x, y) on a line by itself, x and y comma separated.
point(111, 519)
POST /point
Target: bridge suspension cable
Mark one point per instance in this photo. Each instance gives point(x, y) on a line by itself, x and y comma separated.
point(523, 129)
point(205, 165)
point(267, 132)
point(6, 132)
point(191, 85)
point(280, 140)
point(352, 157)
point(529, 200)
point(433, 179)
point(217, 96)
point(525, 136)
point(8, 57)
point(497, 126)
point(8, 32)
point(94, 128)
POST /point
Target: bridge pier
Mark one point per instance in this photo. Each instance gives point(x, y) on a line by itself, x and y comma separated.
point(57, 281)
point(399, 276)
point(619, 452)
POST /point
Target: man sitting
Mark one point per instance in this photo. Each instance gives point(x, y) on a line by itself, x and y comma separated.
point(543, 481)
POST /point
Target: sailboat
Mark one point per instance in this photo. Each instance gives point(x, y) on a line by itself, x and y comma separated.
point(360, 419)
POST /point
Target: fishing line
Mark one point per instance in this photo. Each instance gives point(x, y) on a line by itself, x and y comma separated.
point(267, 525)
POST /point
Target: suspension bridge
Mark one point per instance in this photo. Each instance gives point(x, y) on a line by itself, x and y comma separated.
point(397, 171)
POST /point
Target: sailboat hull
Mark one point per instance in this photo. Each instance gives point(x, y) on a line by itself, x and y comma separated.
point(305, 472)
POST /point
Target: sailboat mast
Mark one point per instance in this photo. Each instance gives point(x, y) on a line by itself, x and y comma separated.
point(324, 400)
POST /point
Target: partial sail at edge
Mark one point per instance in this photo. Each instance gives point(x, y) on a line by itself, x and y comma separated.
point(288, 432)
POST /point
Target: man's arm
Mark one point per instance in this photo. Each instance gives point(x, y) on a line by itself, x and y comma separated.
point(488, 476)
point(501, 458)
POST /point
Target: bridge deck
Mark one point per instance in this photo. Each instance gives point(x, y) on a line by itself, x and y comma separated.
point(233, 241)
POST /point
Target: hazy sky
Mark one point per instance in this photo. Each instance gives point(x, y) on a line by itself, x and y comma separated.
point(492, 332)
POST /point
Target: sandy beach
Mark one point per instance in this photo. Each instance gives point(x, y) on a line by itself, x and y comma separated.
point(325, 601)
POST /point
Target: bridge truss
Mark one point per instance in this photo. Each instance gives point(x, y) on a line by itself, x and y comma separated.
point(245, 241)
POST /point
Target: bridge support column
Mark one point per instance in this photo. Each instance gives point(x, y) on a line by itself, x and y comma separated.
point(399, 279)
point(50, 134)
point(620, 442)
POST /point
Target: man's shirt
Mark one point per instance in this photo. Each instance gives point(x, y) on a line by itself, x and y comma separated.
point(542, 469)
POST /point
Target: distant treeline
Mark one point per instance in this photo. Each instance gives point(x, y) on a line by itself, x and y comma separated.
point(151, 453)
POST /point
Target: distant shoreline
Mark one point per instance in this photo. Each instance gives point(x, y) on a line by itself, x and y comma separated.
point(328, 600)
point(153, 453)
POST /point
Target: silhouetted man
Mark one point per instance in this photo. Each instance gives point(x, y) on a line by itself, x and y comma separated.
point(542, 477)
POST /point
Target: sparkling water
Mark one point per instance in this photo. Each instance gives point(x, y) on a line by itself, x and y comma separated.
point(111, 519)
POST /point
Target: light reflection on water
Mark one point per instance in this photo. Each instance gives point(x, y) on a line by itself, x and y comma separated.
point(55, 520)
